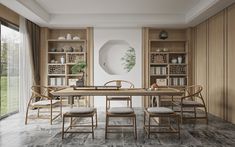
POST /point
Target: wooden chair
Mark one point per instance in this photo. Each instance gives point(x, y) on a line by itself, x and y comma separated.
point(191, 101)
point(41, 98)
point(79, 112)
point(150, 115)
point(119, 84)
point(117, 112)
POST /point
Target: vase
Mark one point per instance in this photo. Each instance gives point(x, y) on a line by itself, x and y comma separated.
point(69, 37)
point(62, 60)
point(180, 59)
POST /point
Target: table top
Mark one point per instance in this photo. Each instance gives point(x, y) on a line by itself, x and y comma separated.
point(70, 91)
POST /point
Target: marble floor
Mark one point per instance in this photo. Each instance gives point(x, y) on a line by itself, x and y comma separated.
point(38, 133)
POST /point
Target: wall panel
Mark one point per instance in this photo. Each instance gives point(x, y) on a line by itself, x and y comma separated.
point(201, 58)
point(216, 63)
point(231, 67)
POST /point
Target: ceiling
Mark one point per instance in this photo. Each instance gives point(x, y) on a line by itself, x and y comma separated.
point(117, 13)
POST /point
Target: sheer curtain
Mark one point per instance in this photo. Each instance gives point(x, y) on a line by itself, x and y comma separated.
point(25, 71)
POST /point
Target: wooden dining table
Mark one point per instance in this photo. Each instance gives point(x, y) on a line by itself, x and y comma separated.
point(114, 91)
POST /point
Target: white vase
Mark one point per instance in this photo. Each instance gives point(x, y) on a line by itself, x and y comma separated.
point(180, 59)
point(62, 60)
point(69, 37)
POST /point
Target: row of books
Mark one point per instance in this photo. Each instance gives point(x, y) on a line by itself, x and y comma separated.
point(177, 81)
point(158, 70)
point(58, 81)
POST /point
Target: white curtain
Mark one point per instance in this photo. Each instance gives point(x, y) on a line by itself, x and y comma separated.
point(25, 71)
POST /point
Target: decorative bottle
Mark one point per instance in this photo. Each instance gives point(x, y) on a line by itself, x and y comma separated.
point(62, 60)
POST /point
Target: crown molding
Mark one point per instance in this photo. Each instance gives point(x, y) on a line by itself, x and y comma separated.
point(31, 10)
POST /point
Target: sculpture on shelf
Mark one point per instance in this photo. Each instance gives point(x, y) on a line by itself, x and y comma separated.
point(79, 67)
point(163, 35)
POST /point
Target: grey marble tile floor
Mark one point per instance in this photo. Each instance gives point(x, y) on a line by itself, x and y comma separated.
point(39, 133)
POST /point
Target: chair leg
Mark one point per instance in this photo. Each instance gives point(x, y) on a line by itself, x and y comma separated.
point(26, 116)
point(51, 115)
point(206, 114)
point(92, 127)
point(60, 106)
point(144, 120)
point(178, 122)
point(181, 112)
point(63, 127)
point(106, 126)
point(135, 127)
point(149, 126)
point(71, 122)
point(96, 119)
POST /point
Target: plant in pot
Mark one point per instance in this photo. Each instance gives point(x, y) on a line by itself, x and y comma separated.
point(77, 68)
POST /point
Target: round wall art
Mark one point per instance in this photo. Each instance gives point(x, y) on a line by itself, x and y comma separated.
point(117, 57)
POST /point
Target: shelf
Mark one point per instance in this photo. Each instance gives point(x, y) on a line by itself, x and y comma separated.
point(56, 52)
point(179, 86)
point(177, 52)
point(167, 40)
point(158, 63)
point(56, 75)
point(177, 75)
point(67, 53)
point(55, 64)
point(76, 52)
point(183, 64)
point(57, 40)
point(159, 52)
point(74, 75)
point(59, 86)
point(159, 75)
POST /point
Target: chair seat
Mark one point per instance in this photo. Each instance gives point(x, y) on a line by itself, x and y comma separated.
point(45, 103)
point(118, 97)
point(161, 110)
point(191, 103)
point(81, 110)
point(120, 110)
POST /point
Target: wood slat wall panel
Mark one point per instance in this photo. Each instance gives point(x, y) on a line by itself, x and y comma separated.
point(216, 64)
point(43, 56)
point(231, 68)
point(201, 58)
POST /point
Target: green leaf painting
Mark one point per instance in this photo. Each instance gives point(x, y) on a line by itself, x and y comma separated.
point(128, 60)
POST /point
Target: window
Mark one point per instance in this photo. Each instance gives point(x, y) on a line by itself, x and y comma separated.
point(9, 88)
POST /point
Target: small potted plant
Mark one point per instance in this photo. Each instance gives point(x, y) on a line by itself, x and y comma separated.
point(79, 68)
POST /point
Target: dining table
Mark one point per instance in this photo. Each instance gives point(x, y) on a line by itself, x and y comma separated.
point(116, 91)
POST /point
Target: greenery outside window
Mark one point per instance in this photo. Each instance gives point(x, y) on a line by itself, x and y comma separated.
point(9, 73)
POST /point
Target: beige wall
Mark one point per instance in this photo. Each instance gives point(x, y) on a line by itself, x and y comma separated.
point(214, 68)
point(9, 15)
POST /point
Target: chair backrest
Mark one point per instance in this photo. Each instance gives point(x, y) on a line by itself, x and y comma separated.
point(41, 92)
point(120, 84)
point(193, 92)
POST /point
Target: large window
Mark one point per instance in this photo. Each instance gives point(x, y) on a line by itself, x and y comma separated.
point(9, 90)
